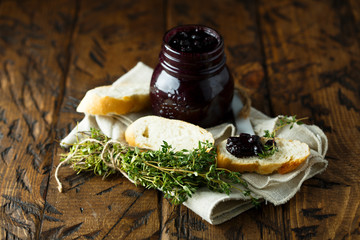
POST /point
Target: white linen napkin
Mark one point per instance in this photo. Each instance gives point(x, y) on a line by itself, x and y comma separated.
point(275, 188)
point(214, 207)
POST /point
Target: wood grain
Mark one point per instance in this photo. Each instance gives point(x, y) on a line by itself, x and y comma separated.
point(293, 57)
point(101, 52)
point(312, 59)
point(32, 52)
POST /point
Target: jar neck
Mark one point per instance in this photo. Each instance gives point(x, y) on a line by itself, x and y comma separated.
point(188, 64)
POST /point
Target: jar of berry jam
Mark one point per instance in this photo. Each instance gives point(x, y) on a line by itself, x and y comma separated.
point(191, 81)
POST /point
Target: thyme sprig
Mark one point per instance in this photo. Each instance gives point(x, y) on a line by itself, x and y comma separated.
point(270, 149)
point(178, 174)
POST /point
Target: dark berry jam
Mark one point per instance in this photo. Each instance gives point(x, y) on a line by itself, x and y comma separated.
point(245, 145)
point(191, 81)
point(271, 143)
point(193, 41)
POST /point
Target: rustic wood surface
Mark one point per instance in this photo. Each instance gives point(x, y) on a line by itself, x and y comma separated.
point(293, 57)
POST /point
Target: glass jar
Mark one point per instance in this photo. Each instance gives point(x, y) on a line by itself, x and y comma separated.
point(194, 86)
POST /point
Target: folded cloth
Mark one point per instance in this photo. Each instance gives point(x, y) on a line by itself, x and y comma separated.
point(275, 188)
point(215, 207)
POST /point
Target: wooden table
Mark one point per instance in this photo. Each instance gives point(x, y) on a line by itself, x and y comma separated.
point(293, 57)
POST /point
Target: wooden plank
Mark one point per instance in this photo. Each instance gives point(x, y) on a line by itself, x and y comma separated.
point(33, 53)
point(110, 37)
point(312, 58)
point(236, 21)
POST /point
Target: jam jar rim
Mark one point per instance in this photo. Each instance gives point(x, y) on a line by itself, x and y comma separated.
point(192, 65)
point(171, 32)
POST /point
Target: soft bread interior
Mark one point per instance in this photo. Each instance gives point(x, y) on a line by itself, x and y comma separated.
point(151, 131)
point(120, 91)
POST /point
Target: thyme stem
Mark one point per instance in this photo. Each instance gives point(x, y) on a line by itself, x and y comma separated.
point(283, 121)
point(177, 174)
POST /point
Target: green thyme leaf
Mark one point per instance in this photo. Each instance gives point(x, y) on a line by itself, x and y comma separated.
point(283, 121)
point(178, 174)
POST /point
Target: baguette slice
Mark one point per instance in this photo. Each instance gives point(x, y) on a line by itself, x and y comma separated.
point(291, 154)
point(120, 99)
point(130, 93)
point(150, 132)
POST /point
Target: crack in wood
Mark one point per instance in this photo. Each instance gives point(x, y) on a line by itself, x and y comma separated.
point(51, 219)
point(131, 193)
point(235, 232)
point(78, 68)
point(30, 124)
point(185, 224)
point(121, 217)
point(92, 235)
point(263, 223)
point(60, 133)
point(51, 209)
point(75, 179)
point(347, 77)
point(44, 186)
point(8, 77)
point(107, 190)
point(356, 231)
point(239, 54)
point(345, 101)
point(26, 75)
point(2, 116)
point(317, 111)
point(36, 161)
point(99, 50)
point(313, 213)
point(61, 59)
point(10, 236)
point(96, 60)
point(305, 232)
point(4, 153)
point(70, 230)
point(317, 182)
point(51, 234)
point(12, 131)
point(142, 220)
point(26, 207)
point(71, 104)
point(22, 179)
point(276, 12)
point(76, 187)
point(45, 147)
point(66, 21)
point(173, 216)
point(14, 224)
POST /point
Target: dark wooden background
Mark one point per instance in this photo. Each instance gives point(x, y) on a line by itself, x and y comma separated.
point(294, 56)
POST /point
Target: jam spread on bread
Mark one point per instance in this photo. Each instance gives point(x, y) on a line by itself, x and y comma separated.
point(246, 145)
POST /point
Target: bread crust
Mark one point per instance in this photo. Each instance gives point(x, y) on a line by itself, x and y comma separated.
point(97, 105)
point(292, 165)
point(223, 161)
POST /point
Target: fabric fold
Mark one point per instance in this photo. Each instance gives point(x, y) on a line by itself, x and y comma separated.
point(214, 207)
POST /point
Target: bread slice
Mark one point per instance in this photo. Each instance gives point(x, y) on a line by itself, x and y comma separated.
point(150, 132)
point(130, 93)
point(120, 99)
point(291, 154)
